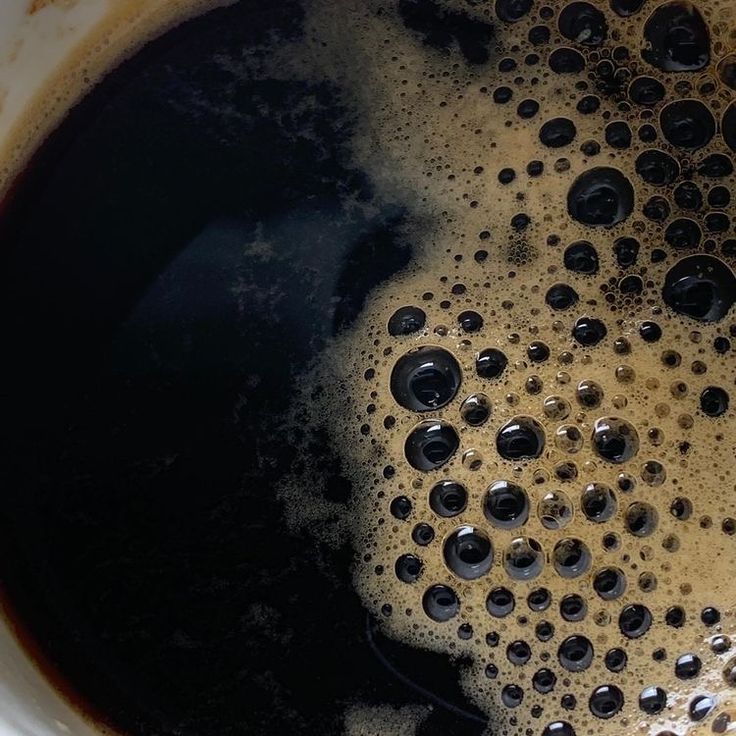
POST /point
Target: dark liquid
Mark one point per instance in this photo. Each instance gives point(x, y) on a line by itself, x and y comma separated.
point(177, 253)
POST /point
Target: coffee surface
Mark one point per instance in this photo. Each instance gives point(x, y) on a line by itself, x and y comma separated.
point(372, 372)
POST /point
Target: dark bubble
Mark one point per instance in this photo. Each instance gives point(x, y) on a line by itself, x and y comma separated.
point(506, 504)
point(408, 568)
point(618, 134)
point(523, 559)
point(687, 124)
point(717, 222)
point(626, 250)
point(701, 287)
point(615, 439)
point(710, 616)
point(606, 701)
point(566, 61)
point(625, 8)
point(650, 331)
point(675, 617)
point(506, 176)
point(573, 607)
point(588, 104)
point(512, 11)
point(646, 91)
point(641, 519)
point(476, 409)
point(490, 363)
point(571, 558)
point(520, 438)
point(502, 95)
point(561, 296)
point(559, 728)
point(701, 707)
point(714, 401)
point(688, 196)
point(537, 351)
point(544, 631)
point(652, 700)
point(590, 148)
point(683, 233)
point(609, 583)
point(422, 534)
point(538, 35)
point(657, 168)
point(726, 70)
point(527, 109)
point(500, 602)
point(589, 331)
point(468, 553)
point(716, 165)
point(728, 126)
point(575, 653)
point(581, 257)
point(719, 197)
point(440, 603)
point(544, 681)
point(721, 345)
point(400, 507)
point(406, 320)
point(688, 666)
point(615, 660)
point(647, 133)
point(631, 285)
point(557, 132)
point(448, 498)
point(634, 620)
point(425, 379)
point(431, 444)
point(470, 321)
point(598, 502)
point(677, 37)
point(656, 208)
point(539, 599)
point(518, 652)
point(600, 196)
point(583, 23)
point(511, 696)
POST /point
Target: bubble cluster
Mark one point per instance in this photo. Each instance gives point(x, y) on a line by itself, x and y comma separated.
point(550, 380)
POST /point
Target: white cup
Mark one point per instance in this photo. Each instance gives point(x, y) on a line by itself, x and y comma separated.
point(51, 51)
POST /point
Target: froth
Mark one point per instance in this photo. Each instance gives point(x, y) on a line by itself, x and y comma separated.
point(537, 414)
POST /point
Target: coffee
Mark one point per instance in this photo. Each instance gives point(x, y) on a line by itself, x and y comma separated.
point(429, 302)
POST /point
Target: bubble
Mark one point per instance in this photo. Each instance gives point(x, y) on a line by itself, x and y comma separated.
point(701, 287)
point(646, 91)
point(687, 124)
point(559, 728)
point(609, 583)
point(675, 617)
point(615, 439)
point(701, 707)
point(615, 660)
point(425, 378)
point(589, 331)
point(588, 104)
point(716, 165)
point(601, 196)
point(710, 616)
point(557, 132)
point(521, 437)
point(400, 507)
point(575, 653)
point(518, 652)
point(626, 251)
point(470, 321)
point(634, 621)
point(714, 401)
point(523, 559)
point(406, 321)
point(641, 519)
point(561, 297)
point(440, 603)
point(539, 599)
point(448, 498)
point(677, 38)
point(537, 351)
point(468, 553)
point(408, 568)
point(555, 510)
point(571, 558)
point(728, 126)
point(512, 695)
point(422, 534)
point(729, 671)
point(652, 700)
point(431, 444)
point(683, 233)
point(618, 134)
point(606, 701)
point(500, 602)
point(566, 61)
point(657, 167)
point(490, 363)
point(506, 505)
point(475, 410)
point(583, 23)
point(581, 257)
point(512, 11)
point(556, 408)
point(573, 607)
point(598, 503)
point(688, 666)
point(544, 681)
